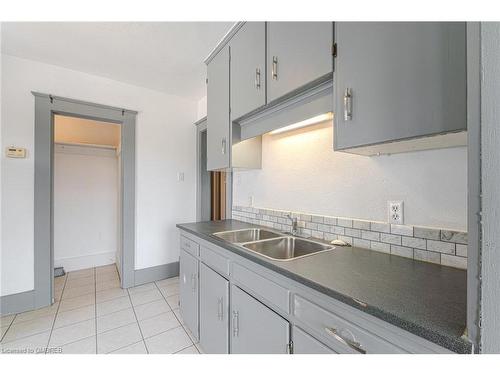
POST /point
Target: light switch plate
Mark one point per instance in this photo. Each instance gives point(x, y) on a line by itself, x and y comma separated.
point(395, 212)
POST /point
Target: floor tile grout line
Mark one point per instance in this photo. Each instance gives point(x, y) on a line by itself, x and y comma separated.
point(184, 329)
point(30, 320)
point(81, 339)
point(86, 320)
point(137, 321)
point(26, 337)
point(55, 316)
point(100, 316)
point(10, 324)
point(162, 332)
point(95, 308)
point(184, 349)
point(163, 297)
point(126, 346)
point(66, 278)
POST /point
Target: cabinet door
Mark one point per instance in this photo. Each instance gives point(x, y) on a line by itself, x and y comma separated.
point(188, 291)
point(405, 79)
point(218, 135)
point(214, 323)
point(304, 343)
point(256, 329)
point(297, 53)
point(248, 73)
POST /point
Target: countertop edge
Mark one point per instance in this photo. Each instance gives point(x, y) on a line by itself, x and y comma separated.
point(455, 344)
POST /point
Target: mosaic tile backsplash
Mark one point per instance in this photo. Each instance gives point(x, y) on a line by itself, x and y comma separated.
point(434, 245)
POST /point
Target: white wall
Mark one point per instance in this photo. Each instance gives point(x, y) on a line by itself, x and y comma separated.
point(165, 145)
point(85, 206)
point(300, 172)
point(202, 108)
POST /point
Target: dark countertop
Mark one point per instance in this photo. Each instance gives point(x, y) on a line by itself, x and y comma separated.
point(425, 299)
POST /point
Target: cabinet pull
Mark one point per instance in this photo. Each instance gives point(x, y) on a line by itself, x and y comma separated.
point(223, 143)
point(220, 308)
point(193, 282)
point(257, 78)
point(351, 344)
point(348, 104)
point(275, 68)
point(236, 323)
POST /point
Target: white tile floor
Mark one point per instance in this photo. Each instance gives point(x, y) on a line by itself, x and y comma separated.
point(92, 314)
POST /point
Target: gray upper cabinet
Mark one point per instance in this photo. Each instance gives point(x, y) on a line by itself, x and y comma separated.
point(255, 328)
point(214, 310)
point(248, 69)
point(218, 122)
point(297, 54)
point(188, 291)
point(397, 81)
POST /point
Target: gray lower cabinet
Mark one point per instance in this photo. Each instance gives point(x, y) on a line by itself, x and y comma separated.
point(233, 305)
point(297, 53)
point(304, 343)
point(188, 291)
point(248, 69)
point(255, 328)
point(398, 80)
point(214, 310)
point(218, 123)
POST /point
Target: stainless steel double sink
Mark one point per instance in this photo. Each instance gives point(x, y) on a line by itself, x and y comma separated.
point(273, 245)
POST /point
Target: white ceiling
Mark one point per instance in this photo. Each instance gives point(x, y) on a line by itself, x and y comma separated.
point(164, 56)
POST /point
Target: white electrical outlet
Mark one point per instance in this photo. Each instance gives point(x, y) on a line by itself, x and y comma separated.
point(395, 212)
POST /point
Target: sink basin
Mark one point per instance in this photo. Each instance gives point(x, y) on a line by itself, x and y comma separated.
point(247, 235)
point(287, 248)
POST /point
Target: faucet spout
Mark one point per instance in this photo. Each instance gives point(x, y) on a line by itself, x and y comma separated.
point(294, 223)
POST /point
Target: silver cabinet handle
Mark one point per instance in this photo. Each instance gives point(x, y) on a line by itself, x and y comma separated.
point(193, 282)
point(223, 142)
point(257, 78)
point(348, 104)
point(351, 344)
point(220, 308)
point(236, 323)
point(275, 68)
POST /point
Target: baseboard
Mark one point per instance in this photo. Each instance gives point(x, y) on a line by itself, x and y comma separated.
point(17, 303)
point(148, 275)
point(85, 261)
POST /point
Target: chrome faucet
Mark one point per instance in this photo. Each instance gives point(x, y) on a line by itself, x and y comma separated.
point(294, 224)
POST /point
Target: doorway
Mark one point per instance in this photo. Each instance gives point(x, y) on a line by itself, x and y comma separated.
point(47, 107)
point(86, 193)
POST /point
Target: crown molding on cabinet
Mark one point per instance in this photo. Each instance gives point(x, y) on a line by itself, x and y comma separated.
point(225, 40)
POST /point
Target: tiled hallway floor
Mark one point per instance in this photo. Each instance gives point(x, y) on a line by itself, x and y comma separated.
point(92, 314)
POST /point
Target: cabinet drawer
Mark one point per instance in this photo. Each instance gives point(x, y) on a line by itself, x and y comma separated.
point(190, 246)
point(339, 332)
point(272, 292)
point(215, 261)
point(303, 343)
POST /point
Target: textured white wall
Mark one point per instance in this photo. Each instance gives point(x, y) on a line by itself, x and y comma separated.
point(85, 207)
point(165, 145)
point(300, 172)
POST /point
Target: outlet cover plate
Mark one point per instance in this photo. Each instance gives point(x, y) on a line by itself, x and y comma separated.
point(395, 212)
